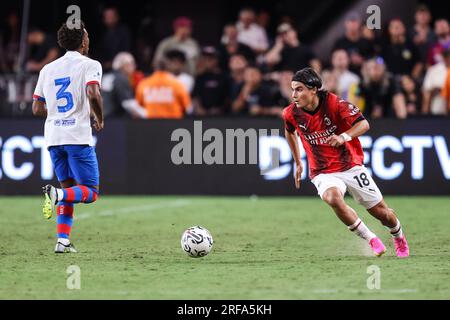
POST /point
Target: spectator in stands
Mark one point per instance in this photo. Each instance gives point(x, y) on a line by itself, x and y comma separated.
point(401, 55)
point(446, 88)
point(330, 81)
point(42, 49)
point(287, 19)
point(116, 37)
point(374, 38)
point(250, 33)
point(442, 31)
point(176, 64)
point(285, 87)
point(368, 34)
point(117, 92)
point(145, 41)
point(421, 33)
point(412, 98)
point(230, 45)
point(288, 53)
point(258, 97)
point(9, 43)
point(162, 95)
point(263, 19)
point(347, 81)
point(358, 47)
point(237, 66)
point(433, 102)
point(380, 93)
point(180, 40)
point(211, 91)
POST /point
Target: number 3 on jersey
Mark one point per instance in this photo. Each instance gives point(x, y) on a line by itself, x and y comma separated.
point(62, 94)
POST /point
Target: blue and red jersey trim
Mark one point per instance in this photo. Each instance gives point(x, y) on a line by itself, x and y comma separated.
point(39, 98)
point(92, 82)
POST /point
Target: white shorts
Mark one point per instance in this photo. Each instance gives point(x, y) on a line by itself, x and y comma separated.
point(357, 181)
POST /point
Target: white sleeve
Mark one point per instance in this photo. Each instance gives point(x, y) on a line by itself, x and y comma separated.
point(428, 81)
point(39, 90)
point(263, 41)
point(93, 73)
point(134, 108)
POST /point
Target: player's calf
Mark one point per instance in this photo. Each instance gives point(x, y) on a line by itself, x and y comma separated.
point(77, 194)
point(64, 219)
point(388, 218)
point(386, 215)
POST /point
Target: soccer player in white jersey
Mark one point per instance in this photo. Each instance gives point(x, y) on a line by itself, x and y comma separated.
point(68, 95)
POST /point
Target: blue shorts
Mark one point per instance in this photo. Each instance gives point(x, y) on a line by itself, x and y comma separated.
point(78, 162)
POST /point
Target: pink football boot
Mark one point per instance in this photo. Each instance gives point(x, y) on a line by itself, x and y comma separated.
point(401, 247)
point(377, 246)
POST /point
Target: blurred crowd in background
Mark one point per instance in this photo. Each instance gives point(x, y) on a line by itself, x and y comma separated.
point(400, 71)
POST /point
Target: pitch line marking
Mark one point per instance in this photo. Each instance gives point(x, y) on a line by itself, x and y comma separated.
point(127, 210)
point(326, 291)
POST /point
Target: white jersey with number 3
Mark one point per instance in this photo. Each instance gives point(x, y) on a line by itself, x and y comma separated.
point(62, 86)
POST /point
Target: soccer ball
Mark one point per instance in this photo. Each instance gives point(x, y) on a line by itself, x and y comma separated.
point(196, 242)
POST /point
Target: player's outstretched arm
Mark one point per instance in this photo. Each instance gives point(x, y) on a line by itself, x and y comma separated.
point(39, 108)
point(291, 138)
point(96, 103)
point(357, 130)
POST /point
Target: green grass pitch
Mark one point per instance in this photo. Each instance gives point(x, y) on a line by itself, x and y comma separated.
point(265, 248)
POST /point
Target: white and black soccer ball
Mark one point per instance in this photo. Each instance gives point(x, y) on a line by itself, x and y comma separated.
point(196, 242)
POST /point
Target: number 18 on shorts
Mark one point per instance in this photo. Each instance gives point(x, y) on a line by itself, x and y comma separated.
point(357, 181)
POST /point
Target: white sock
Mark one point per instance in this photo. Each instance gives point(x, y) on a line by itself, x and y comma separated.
point(59, 193)
point(360, 229)
point(64, 241)
point(396, 231)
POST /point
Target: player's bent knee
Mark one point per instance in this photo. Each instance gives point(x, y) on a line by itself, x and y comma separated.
point(333, 198)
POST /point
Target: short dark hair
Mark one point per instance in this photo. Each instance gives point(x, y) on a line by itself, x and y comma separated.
point(70, 39)
point(175, 55)
point(308, 77)
point(422, 7)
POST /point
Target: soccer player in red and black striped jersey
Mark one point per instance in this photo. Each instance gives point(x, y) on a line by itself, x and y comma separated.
point(329, 128)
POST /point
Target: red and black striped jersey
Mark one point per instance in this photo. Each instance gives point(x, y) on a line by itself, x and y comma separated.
point(332, 116)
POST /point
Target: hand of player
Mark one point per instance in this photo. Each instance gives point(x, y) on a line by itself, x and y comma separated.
point(298, 176)
point(335, 141)
point(97, 124)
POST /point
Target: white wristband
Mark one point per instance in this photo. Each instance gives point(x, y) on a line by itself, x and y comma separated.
point(346, 137)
